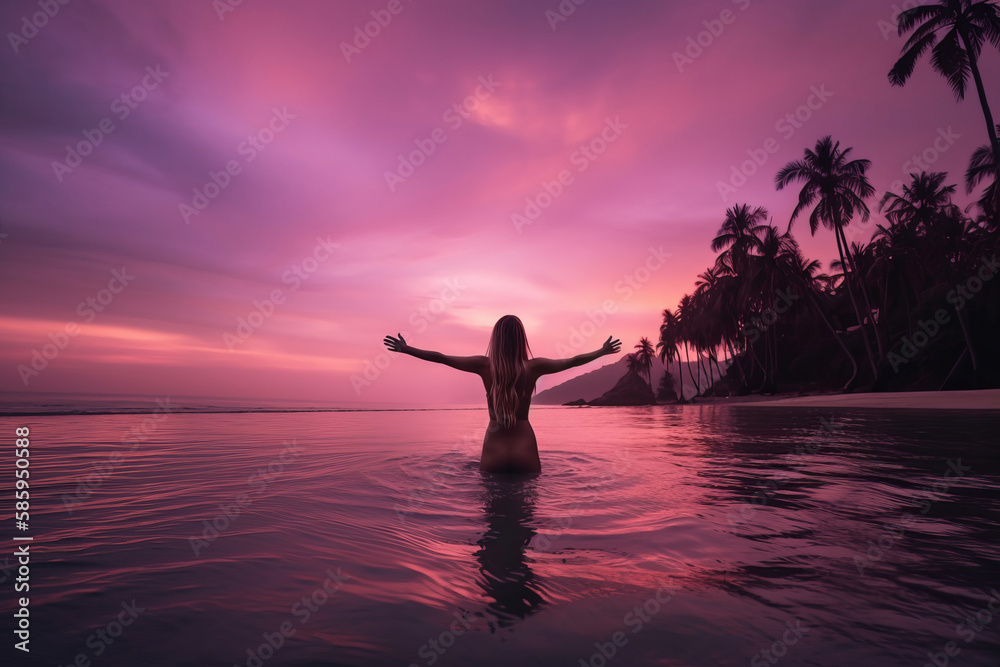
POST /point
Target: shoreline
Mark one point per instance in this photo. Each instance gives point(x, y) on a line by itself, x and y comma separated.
point(86, 412)
point(978, 399)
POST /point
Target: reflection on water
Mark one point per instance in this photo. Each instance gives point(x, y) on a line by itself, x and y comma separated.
point(868, 538)
point(507, 578)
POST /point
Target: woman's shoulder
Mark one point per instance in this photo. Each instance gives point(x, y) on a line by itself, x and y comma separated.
point(540, 365)
point(535, 368)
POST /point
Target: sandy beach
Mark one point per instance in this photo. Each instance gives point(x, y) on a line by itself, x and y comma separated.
point(985, 399)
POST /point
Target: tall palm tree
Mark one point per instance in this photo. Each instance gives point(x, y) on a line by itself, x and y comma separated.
point(838, 187)
point(951, 252)
point(898, 264)
point(801, 272)
point(718, 291)
point(983, 167)
point(768, 269)
point(668, 348)
point(687, 323)
point(646, 353)
point(738, 234)
point(702, 332)
point(967, 24)
point(900, 251)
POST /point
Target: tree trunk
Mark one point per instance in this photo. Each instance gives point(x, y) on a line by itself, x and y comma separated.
point(774, 341)
point(719, 368)
point(906, 303)
point(843, 346)
point(864, 293)
point(739, 366)
point(884, 309)
point(953, 369)
point(687, 353)
point(680, 375)
point(757, 361)
point(854, 302)
point(772, 354)
point(765, 365)
point(968, 343)
point(697, 352)
point(990, 125)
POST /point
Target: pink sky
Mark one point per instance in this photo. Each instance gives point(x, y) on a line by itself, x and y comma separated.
point(340, 126)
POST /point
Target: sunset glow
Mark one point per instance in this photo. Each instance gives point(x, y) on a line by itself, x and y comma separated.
point(283, 201)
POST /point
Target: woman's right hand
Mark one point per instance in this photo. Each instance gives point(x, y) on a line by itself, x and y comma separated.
point(611, 346)
point(395, 344)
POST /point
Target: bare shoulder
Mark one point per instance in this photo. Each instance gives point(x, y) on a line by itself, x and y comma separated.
point(542, 366)
point(479, 363)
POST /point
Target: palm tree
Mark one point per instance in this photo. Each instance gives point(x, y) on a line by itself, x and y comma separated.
point(838, 188)
point(700, 332)
point(738, 234)
point(768, 270)
point(717, 292)
point(666, 389)
point(644, 356)
point(801, 272)
point(951, 252)
point(898, 264)
point(900, 252)
point(921, 200)
point(982, 167)
point(687, 323)
point(967, 25)
point(668, 347)
point(632, 364)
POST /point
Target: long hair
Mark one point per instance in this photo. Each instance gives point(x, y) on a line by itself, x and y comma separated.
point(508, 354)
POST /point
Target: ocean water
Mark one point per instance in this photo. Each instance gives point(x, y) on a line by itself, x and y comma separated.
point(696, 535)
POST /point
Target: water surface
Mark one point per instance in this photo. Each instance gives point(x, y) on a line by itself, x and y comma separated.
point(698, 535)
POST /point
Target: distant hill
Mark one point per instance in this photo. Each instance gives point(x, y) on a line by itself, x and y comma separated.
point(595, 383)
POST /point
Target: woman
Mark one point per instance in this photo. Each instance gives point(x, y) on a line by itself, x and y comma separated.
point(509, 377)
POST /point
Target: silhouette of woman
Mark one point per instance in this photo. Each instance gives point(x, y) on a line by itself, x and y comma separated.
point(509, 377)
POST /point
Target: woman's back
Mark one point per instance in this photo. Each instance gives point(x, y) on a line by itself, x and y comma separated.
point(524, 392)
point(512, 448)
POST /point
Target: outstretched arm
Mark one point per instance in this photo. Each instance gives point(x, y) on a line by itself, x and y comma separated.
point(549, 366)
point(468, 364)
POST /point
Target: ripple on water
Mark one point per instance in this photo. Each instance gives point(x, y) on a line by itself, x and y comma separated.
point(714, 502)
